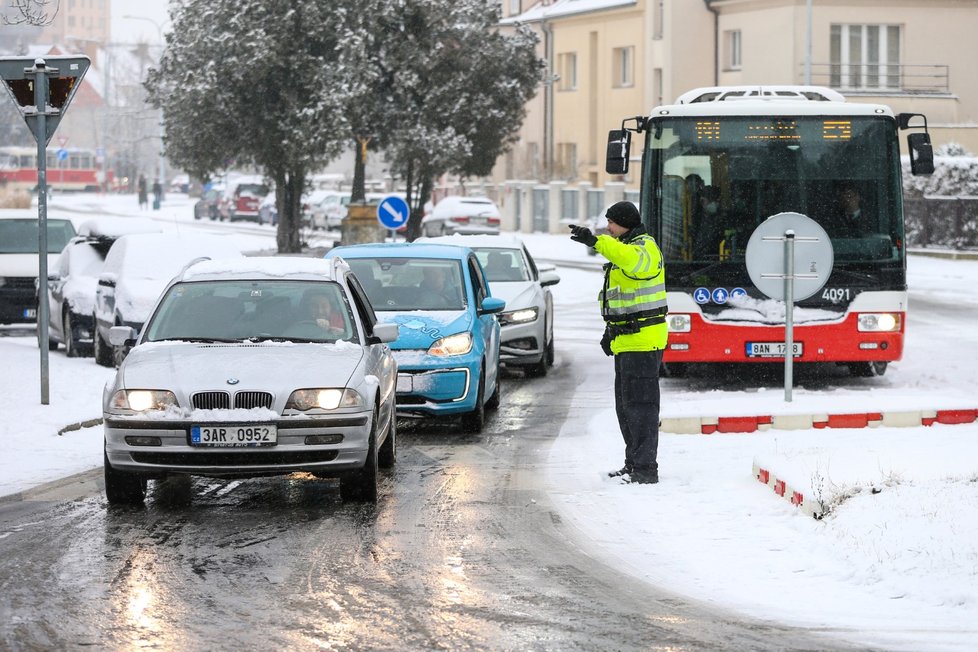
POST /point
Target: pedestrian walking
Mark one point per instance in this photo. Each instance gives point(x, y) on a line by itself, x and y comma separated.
point(633, 305)
point(157, 195)
point(141, 191)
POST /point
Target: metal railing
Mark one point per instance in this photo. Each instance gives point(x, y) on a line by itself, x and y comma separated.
point(883, 77)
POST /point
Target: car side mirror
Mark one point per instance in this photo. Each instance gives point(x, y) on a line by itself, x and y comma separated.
point(619, 144)
point(491, 305)
point(385, 333)
point(122, 336)
point(921, 154)
point(548, 278)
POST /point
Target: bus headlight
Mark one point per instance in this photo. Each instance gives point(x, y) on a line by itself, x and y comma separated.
point(880, 322)
point(679, 323)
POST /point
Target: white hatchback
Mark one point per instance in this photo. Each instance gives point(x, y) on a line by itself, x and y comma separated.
point(527, 328)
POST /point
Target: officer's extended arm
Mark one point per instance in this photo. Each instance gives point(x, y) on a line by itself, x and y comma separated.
point(635, 259)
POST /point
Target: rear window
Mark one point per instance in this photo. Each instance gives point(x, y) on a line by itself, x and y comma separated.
point(19, 236)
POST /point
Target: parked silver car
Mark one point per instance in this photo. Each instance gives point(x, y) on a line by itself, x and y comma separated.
point(527, 323)
point(250, 367)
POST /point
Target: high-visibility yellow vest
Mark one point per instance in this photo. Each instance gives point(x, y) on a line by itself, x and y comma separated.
point(633, 299)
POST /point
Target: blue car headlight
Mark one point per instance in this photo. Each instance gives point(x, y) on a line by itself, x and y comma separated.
point(458, 344)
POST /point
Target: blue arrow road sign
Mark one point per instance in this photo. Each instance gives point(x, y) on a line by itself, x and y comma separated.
point(62, 154)
point(392, 212)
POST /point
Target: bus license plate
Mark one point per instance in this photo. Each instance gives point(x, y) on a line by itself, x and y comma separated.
point(773, 349)
point(252, 434)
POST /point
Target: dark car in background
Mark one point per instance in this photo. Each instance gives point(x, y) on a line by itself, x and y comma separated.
point(20, 262)
point(206, 206)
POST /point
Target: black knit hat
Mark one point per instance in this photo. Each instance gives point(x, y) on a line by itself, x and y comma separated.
point(624, 214)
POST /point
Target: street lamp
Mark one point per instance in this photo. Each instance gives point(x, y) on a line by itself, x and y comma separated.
point(162, 159)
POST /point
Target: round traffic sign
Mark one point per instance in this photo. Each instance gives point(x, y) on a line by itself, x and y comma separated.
point(813, 256)
point(393, 212)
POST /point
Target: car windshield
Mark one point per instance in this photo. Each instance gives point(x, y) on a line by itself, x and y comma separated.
point(19, 236)
point(255, 310)
point(501, 265)
point(411, 283)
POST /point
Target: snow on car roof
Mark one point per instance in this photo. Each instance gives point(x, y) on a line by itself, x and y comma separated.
point(399, 250)
point(476, 241)
point(114, 227)
point(275, 266)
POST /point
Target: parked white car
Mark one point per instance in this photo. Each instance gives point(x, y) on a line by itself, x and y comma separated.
point(467, 215)
point(527, 333)
point(328, 209)
point(73, 282)
point(137, 269)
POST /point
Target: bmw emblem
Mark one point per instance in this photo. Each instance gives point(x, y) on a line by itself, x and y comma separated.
point(233, 381)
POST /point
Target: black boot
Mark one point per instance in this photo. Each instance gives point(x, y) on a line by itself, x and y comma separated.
point(641, 476)
point(625, 470)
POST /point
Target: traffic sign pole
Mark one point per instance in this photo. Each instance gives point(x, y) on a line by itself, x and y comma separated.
point(43, 305)
point(793, 282)
point(43, 93)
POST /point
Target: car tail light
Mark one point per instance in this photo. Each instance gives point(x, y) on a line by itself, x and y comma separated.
point(492, 220)
point(461, 219)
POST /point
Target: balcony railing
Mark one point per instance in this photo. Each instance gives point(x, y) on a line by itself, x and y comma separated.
point(883, 77)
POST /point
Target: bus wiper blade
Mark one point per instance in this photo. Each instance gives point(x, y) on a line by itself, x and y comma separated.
point(862, 276)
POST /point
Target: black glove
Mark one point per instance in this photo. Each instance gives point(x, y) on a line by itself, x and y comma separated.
point(606, 343)
point(582, 234)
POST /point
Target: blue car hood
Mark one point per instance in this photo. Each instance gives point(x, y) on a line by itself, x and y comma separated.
point(420, 329)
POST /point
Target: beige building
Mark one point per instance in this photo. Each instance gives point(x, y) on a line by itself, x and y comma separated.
point(614, 59)
point(83, 25)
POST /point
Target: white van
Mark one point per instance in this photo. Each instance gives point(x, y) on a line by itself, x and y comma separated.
point(19, 261)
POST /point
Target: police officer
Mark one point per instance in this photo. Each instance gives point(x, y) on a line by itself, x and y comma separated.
point(633, 305)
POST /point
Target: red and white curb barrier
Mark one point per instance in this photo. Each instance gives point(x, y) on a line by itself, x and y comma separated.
point(901, 419)
point(797, 496)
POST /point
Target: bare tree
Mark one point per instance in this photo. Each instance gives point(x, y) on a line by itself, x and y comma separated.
point(32, 12)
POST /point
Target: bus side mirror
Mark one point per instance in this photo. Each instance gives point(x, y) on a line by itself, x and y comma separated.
point(619, 143)
point(921, 154)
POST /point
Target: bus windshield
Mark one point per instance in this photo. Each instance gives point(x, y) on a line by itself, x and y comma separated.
point(714, 179)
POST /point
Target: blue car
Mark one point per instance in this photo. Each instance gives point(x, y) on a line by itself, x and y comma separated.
point(448, 349)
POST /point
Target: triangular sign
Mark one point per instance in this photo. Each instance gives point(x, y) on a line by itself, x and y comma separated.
point(63, 75)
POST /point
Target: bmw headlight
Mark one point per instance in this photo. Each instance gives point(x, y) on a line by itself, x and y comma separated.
point(458, 344)
point(324, 399)
point(883, 322)
point(523, 316)
point(143, 400)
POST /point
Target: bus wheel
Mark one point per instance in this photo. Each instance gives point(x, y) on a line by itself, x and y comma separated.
point(867, 369)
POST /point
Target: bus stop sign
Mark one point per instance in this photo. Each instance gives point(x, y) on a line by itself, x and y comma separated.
point(64, 76)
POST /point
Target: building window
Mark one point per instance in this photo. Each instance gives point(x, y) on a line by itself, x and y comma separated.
point(567, 69)
point(865, 57)
point(658, 19)
point(732, 41)
point(624, 63)
point(514, 7)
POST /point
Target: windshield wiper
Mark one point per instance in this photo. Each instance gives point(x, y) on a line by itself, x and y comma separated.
point(204, 340)
point(862, 276)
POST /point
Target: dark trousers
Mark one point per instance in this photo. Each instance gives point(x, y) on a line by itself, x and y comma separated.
point(637, 405)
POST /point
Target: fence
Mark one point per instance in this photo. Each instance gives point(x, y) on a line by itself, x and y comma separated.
point(950, 222)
